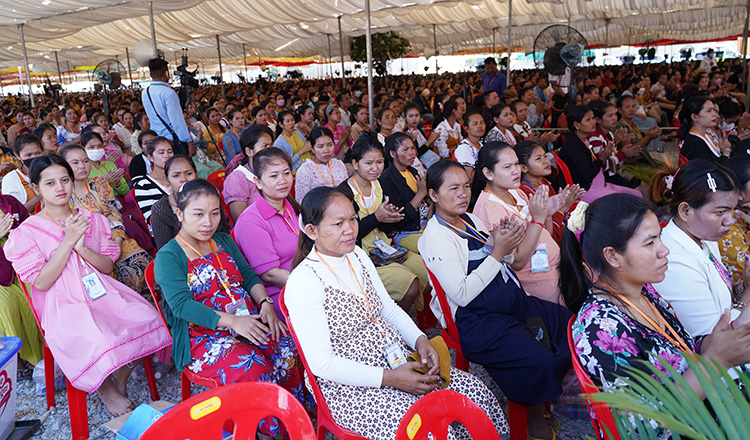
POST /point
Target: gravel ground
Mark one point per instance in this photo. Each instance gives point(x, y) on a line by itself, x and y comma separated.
point(57, 425)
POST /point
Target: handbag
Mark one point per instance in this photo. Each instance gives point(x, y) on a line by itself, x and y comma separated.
point(178, 147)
point(382, 258)
point(438, 343)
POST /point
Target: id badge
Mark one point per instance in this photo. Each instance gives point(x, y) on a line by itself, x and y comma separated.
point(394, 355)
point(238, 307)
point(540, 261)
point(93, 286)
point(383, 246)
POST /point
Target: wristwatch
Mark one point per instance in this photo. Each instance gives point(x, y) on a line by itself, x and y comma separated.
point(266, 299)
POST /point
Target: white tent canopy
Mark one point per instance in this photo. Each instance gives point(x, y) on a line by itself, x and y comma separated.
point(274, 28)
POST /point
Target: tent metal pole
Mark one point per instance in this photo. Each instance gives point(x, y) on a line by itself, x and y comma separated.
point(130, 69)
point(510, 41)
point(341, 53)
point(744, 56)
point(368, 43)
point(244, 61)
point(434, 43)
point(493, 40)
point(59, 75)
point(26, 65)
point(153, 28)
point(221, 72)
point(330, 60)
point(20, 78)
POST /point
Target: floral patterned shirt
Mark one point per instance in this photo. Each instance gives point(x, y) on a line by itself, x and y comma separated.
point(607, 339)
point(733, 247)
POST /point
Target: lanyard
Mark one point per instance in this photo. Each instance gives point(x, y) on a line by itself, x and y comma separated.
point(515, 209)
point(633, 129)
point(294, 144)
point(224, 282)
point(721, 269)
point(588, 147)
point(290, 221)
point(472, 144)
point(476, 235)
point(707, 139)
point(333, 183)
point(369, 306)
point(506, 136)
point(92, 201)
point(674, 338)
point(410, 179)
point(362, 196)
point(80, 258)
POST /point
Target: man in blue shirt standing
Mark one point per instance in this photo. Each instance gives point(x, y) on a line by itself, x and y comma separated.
point(162, 105)
point(492, 79)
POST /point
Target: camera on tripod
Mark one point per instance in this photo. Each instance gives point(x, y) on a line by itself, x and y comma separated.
point(187, 77)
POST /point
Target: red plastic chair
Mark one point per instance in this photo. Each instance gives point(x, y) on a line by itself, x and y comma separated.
point(187, 376)
point(217, 179)
point(450, 332)
point(562, 168)
point(325, 419)
point(516, 413)
point(77, 404)
point(603, 414)
point(242, 405)
point(433, 413)
point(683, 160)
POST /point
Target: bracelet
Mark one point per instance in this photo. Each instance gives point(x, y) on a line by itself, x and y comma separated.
point(264, 300)
point(739, 305)
point(534, 222)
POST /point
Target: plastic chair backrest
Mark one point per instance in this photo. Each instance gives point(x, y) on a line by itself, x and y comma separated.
point(603, 414)
point(217, 179)
point(245, 404)
point(31, 305)
point(563, 169)
point(444, 307)
point(433, 413)
point(682, 161)
point(324, 414)
point(150, 282)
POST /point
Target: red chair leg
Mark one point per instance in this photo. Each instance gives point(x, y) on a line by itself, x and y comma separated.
point(49, 376)
point(517, 421)
point(79, 414)
point(149, 368)
point(185, 387)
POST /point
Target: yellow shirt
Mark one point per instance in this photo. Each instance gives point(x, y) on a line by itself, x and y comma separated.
point(410, 180)
point(734, 248)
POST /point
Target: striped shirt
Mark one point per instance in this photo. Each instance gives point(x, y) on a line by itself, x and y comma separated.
point(148, 191)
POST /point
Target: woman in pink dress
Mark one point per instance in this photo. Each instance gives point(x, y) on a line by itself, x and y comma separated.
point(96, 327)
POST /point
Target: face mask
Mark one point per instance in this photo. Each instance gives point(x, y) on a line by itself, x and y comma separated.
point(27, 162)
point(726, 126)
point(95, 155)
point(357, 93)
point(717, 82)
point(315, 99)
point(297, 106)
point(641, 91)
point(280, 102)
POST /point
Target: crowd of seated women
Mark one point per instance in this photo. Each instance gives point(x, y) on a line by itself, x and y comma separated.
point(348, 219)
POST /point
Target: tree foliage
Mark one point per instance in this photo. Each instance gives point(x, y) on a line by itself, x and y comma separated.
point(385, 47)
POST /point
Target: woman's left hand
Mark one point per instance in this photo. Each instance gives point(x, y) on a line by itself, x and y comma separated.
point(428, 354)
point(268, 316)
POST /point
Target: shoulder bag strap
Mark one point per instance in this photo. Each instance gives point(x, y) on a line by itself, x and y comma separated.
point(167, 126)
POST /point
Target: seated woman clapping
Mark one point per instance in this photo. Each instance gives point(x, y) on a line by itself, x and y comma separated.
point(350, 329)
point(223, 324)
point(521, 340)
point(621, 320)
point(95, 326)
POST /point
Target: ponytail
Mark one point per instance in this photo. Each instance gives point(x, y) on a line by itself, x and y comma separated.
point(575, 279)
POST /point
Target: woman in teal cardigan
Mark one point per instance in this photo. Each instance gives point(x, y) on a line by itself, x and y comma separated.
point(223, 323)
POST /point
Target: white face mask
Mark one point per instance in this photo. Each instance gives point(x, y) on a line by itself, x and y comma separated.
point(641, 91)
point(723, 125)
point(95, 155)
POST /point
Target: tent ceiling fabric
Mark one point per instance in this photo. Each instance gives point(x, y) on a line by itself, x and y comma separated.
point(278, 28)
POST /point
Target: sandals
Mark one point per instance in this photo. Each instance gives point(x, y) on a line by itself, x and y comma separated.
point(556, 425)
